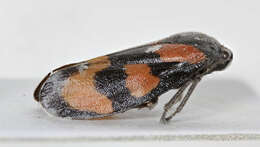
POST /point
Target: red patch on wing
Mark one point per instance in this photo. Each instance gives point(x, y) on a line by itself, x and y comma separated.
point(139, 79)
point(180, 53)
point(80, 92)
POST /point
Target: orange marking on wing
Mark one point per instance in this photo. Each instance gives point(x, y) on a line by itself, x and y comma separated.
point(140, 81)
point(80, 92)
point(180, 53)
point(99, 60)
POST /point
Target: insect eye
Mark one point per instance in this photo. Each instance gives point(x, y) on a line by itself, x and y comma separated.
point(225, 54)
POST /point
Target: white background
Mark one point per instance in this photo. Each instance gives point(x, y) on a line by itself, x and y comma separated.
point(38, 36)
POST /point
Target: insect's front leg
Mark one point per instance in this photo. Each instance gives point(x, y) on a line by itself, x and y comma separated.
point(175, 98)
point(179, 98)
point(172, 101)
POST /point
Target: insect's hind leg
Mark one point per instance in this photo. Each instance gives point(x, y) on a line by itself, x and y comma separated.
point(151, 104)
point(177, 97)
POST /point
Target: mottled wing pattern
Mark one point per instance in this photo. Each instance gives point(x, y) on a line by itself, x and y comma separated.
point(118, 82)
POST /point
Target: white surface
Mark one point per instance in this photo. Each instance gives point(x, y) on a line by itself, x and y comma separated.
point(218, 107)
point(142, 144)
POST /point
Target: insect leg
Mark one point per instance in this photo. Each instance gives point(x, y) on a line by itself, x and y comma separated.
point(172, 101)
point(184, 101)
point(179, 98)
point(151, 104)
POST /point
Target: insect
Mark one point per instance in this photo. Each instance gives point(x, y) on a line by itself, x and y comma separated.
point(133, 78)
